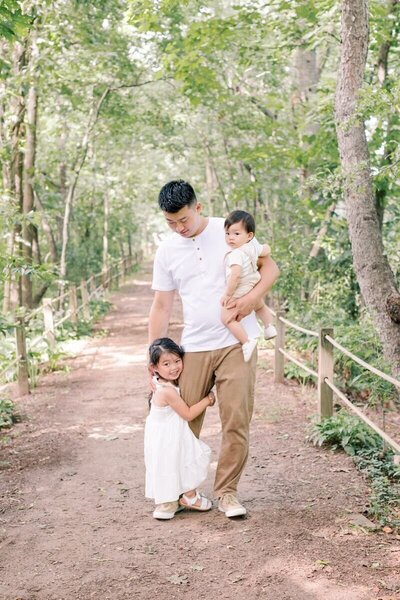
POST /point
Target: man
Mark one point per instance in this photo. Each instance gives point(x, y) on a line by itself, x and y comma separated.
point(191, 261)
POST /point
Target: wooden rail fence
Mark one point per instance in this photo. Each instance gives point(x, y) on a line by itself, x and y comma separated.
point(325, 373)
point(66, 306)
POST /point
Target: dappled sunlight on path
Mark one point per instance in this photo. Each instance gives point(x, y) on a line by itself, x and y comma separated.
point(75, 524)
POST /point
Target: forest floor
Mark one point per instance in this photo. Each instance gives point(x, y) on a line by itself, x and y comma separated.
point(74, 523)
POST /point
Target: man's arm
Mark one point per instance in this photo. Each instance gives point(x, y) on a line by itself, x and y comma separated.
point(269, 272)
point(160, 313)
point(266, 250)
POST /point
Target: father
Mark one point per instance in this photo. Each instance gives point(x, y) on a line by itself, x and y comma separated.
point(191, 261)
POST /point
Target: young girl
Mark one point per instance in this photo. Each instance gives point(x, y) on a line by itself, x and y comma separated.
point(176, 461)
point(242, 275)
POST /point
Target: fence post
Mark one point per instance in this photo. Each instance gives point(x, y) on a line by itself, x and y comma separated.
point(23, 376)
point(92, 285)
point(73, 304)
point(104, 278)
point(116, 275)
point(49, 322)
point(85, 300)
point(325, 371)
point(279, 343)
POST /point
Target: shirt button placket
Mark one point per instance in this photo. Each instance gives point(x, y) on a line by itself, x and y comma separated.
point(198, 250)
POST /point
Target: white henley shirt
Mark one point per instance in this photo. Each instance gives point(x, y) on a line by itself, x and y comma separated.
point(195, 268)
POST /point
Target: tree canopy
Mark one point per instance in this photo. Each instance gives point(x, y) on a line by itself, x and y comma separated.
point(103, 102)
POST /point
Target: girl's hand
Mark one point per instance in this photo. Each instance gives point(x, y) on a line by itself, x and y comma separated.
point(211, 398)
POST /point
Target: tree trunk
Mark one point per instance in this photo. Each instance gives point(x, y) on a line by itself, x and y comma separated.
point(47, 230)
point(5, 167)
point(11, 135)
point(211, 184)
point(28, 235)
point(80, 161)
point(372, 269)
point(106, 214)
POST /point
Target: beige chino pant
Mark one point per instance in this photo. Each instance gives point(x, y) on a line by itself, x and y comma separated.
point(234, 380)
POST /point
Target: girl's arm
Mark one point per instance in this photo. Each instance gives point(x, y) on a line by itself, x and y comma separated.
point(172, 398)
point(231, 283)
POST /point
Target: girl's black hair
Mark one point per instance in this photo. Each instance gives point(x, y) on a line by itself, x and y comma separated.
point(241, 216)
point(162, 345)
point(159, 347)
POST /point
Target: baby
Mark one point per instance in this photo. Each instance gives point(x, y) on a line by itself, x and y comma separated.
point(242, 275)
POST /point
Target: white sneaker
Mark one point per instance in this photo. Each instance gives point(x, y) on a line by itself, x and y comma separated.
point(167, 510)
point(230, 505)
point(248, 349)
point(270, 332)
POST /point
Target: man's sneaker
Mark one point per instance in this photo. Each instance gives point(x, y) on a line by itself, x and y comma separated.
point(230, 505)
point(167, 510)
point(248, 349)
point(270, 332)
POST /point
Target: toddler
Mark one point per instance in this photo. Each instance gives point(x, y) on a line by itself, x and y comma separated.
point(176, 461)
point(242, 275)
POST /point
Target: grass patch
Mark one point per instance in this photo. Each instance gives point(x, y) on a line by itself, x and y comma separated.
point(345, 432)
point(8, 413)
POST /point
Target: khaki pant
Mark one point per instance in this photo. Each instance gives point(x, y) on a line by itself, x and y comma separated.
point(234, 380)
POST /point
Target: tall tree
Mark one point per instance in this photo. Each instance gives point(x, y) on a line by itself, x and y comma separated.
point(372, 268)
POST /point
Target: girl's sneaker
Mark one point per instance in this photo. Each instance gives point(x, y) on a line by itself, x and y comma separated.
point(270, 332)
point(167, 510)
point(248, 349)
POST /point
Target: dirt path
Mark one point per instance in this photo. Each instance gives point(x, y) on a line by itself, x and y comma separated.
point(74, 523)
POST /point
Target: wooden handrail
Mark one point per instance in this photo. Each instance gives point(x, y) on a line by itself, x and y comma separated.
point(325, 373)
point(298, 328)
point(361, 362)
point(118, 268)
point(358, 412)
point(298, 363)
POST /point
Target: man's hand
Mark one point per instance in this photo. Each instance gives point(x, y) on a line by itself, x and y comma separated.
point(241, 307)
point(225, 300)
point(150, 371)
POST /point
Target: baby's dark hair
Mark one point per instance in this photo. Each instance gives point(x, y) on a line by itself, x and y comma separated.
point(241, 216)
point(162, 345)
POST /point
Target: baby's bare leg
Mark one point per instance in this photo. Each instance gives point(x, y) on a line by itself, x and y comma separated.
point(234, 327)
point(263, 313)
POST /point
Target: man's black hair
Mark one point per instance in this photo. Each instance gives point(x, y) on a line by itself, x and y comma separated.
point(175, 195)
point(241, 216)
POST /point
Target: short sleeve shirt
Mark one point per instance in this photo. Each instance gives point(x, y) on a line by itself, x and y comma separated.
point(195, 268)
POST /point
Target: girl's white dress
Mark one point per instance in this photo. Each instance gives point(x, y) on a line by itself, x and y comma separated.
point(176, 461)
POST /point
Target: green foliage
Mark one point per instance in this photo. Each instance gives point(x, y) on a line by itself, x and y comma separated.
point(8, 414)
point(348, 433)
point(13, 23)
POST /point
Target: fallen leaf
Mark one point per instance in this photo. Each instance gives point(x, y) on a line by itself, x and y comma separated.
point(387, 529)
point(178, 579)
point(322, 563)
